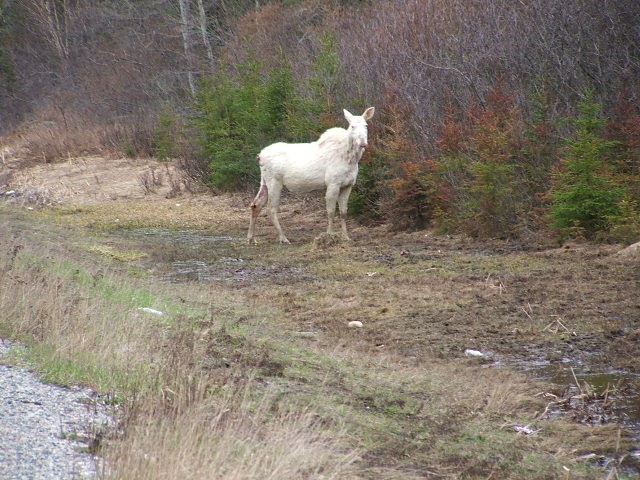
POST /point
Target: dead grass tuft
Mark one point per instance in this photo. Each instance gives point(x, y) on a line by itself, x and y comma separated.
point(328, 240)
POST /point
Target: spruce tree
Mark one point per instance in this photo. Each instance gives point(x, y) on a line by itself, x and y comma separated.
point(586, 196)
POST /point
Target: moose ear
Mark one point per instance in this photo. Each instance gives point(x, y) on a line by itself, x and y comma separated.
point(348, 115)
point(368, 113)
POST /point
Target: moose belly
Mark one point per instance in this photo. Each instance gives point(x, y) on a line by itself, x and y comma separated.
point(303, 184)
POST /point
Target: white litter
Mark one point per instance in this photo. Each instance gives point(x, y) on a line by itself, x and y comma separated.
point(151, 311)
point(526, 429)
point(355, 324)
point(473, 353)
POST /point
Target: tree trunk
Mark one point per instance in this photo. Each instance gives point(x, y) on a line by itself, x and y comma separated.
point(186, 41)
point(205, 34)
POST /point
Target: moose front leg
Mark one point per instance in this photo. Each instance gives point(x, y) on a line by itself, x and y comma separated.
point(331, 198)
point(343, 203)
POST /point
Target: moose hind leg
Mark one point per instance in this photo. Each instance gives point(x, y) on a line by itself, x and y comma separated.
point(274, 202)
point(256, 207)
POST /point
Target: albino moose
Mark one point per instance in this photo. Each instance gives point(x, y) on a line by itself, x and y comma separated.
point(330, 162)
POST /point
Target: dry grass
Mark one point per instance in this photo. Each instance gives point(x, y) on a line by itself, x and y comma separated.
point(232, 437)
point(191, 212)
point(86, 327)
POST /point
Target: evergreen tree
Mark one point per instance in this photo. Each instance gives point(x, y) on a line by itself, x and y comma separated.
point(236, 117)
point(586, 196)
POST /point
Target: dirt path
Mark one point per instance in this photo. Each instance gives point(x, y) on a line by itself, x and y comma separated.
point(90, 180)
point(531, 301)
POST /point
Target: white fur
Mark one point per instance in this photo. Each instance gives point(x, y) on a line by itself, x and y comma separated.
point(330, 162)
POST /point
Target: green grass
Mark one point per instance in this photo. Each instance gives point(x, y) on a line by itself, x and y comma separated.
point(120, 255)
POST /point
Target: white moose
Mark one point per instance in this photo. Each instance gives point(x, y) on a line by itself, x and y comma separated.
point(330, 162)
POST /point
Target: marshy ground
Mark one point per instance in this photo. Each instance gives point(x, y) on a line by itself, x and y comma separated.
point(254, 341)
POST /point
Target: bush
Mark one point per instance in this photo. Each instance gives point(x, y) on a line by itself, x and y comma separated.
point(388, 184)
point(624, 128)
point(488, 176)
point(364, 200)
point(415, 191)
point(625, 224)
point(313, 109)
point(480, 175)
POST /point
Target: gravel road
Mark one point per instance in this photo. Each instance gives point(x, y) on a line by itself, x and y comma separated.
point(45, 428)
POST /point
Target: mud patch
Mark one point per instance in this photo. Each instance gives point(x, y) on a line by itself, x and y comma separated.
point(191, 256)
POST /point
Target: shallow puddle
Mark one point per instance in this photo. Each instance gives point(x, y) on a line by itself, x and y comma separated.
point(593, 396)
point(188, 238)
point(231, 269)
point(619, 389)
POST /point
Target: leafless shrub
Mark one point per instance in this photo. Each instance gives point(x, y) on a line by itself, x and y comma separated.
point(179, 182)
point(195, 170)
point(440, 52)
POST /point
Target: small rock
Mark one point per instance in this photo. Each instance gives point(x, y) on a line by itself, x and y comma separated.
point(355, 324)
point(632, 251)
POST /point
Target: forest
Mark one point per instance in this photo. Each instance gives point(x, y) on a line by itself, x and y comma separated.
point(495, 119)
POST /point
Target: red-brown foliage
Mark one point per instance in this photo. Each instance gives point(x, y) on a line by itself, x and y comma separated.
point(624, 127)
point(409, 204)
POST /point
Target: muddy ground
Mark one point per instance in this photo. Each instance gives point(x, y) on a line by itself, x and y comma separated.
point(567, 314)
point(541, 308)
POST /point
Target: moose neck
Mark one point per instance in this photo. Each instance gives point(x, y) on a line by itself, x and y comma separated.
point(354, 152)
